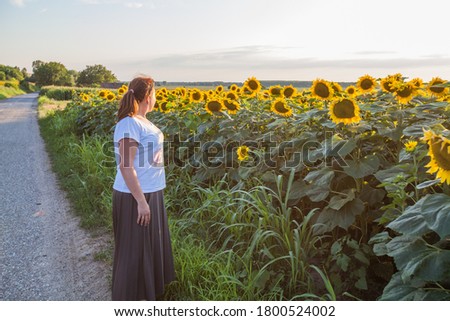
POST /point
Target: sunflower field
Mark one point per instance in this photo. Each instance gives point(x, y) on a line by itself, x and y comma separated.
point(314, 193)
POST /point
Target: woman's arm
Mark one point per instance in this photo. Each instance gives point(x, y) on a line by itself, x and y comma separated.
point(127, 151)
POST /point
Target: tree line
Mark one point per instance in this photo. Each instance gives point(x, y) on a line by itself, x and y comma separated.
point(55, 73)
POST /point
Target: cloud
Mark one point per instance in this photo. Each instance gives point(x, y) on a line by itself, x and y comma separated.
point(373, 52)
point(134, 5)
point(18, 3)
point(126, 3)
point(267, 57)
point(271, 62)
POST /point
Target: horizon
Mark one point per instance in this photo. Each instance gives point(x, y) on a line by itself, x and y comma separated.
point(195, 42)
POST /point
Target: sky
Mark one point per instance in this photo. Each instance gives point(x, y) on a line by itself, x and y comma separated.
point(231, 40)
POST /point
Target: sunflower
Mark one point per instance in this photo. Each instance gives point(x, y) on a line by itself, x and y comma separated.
point(234, 87)
point(280, 107)
point(102, 93)
point(439, 152)
point(435, 87)
point(275, 90)
point(366, 84)
point(85, 97)
point(110, 96)
point(410, 146)
point(387, 84)
point(231, 95)
point(214, 105)
point(417, 83)
point(219, 89)
point(351, 91)
point(265, 95)
point(321, 89)
point(181, 92)
point(121, 91)
point(246, 91)
point(344, 110)
point(289, 91)
point(336, 87)
point(164, 107)
point(232, 106)
point(404, 92)
point(195, 96)
point(253, 84)
point(242, 152)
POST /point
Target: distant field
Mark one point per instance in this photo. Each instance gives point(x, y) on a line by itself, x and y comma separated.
point(265, 83)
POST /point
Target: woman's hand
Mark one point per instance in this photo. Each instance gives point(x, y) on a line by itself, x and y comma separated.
point(143, 213)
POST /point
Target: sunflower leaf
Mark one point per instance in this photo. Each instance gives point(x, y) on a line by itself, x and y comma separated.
point(329, 218)
point(319, 184)
point(414, 257)
point(338, 201)
point(428, 183)
point(361, 168)
point(429, 214)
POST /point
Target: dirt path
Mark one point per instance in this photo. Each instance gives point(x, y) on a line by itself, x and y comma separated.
point(44, 255)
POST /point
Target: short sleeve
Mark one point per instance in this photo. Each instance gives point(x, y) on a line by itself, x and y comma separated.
point(127, 128)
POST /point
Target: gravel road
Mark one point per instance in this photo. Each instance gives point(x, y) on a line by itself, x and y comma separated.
point(44, 254)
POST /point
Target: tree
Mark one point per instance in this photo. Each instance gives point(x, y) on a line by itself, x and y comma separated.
point(12, 73)
point(95, 76)
point(51, 73)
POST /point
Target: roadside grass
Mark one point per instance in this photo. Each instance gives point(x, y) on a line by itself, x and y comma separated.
point(85, 169)
point(229, 243)
point(8, 92)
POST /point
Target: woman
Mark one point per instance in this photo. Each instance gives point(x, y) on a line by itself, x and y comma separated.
point(143, 261)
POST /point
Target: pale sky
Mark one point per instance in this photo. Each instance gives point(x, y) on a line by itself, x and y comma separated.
point(231, 40)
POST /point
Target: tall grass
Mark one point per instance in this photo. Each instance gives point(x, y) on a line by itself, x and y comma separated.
point(8, 92)
point(230, 242)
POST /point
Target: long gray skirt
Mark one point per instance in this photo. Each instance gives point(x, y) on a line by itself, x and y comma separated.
point(143, 260)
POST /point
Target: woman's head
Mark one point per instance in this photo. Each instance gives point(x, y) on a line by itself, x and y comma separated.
point(139, 91)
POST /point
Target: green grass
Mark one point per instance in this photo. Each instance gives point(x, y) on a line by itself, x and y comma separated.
point(85, 171)
point(8, 92)
point(229, 243)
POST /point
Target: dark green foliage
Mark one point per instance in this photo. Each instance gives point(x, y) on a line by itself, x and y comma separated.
point(94, 76)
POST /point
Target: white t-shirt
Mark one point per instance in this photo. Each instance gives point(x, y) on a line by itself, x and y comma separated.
point(149, 159)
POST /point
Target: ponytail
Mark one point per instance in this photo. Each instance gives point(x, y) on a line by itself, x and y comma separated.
point(139, 89)
point(128, 106)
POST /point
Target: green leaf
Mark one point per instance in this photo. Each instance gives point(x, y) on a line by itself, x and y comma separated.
point(372, 196)
point(343, 261)
point(329, 218)
point(415, 130)
point(414, 257)
point(398, 290)
point(336, 248)
point(245, 172)
point(298, 190)
point(261, 278)
point(379, 243)
point(363, 167)
point(269, 177)
point(428, 183)
point(361, 283)
point(336, 146)
point(338, 201)
point(319, 184)
point(359, 255)
point(321, 177)
point(429, 213)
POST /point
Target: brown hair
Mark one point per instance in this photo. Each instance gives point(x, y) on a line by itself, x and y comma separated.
point(138, 89)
